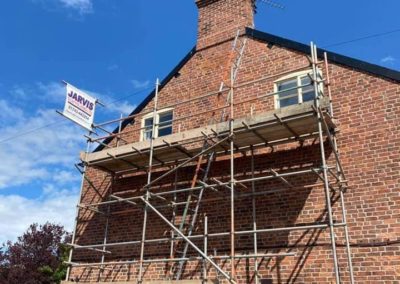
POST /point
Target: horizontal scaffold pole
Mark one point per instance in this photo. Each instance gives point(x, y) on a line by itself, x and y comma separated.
point(187, 161)
point(243, 256)
point(221, 184)
point(220, 234)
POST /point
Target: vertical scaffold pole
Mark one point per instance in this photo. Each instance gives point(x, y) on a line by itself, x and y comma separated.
point(173, 218)
point(103, 256)
point(119, 130)
point(205, 249)
point(253, 201)
point(77, 212)
point(232, 175)
point(140, 278)
point(314, 57)
point(341, 174)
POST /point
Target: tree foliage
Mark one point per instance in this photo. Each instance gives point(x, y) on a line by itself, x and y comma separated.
point(36, 257)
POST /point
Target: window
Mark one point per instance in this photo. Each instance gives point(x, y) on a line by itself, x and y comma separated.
point(295, 89)
point(163, 125)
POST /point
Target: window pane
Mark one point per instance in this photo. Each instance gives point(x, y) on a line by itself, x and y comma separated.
point(305, 80)
point(164, 131)
point(287, 85)
point(288, 101)
point(147, 135)
point(148, 122)
point(166, 117)
point(307, 91)
point(148, 128)
point(308, 96)
point(165, 124)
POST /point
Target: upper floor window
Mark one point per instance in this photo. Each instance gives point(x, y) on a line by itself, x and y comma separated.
point(295, 89)
point(163, 124)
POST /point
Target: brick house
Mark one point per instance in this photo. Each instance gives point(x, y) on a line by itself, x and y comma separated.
point(220, 173)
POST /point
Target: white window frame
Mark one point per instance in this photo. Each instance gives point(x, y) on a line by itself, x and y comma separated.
point(298, 75)
point(157, 121)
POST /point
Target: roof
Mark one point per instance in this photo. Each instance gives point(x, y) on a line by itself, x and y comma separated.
point(283, 42)
point(332, 57)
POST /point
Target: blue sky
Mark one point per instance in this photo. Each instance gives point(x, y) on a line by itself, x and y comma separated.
point(115, 50)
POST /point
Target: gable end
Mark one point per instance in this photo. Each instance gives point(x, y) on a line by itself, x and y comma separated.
point(283, 42)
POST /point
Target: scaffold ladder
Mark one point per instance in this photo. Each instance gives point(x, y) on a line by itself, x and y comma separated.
point(189, 220)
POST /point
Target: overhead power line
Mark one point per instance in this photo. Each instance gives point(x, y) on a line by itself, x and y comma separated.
point(27, 132)
point(23, 133)
point(130, 95)
point(271, 3)
point(362, 38)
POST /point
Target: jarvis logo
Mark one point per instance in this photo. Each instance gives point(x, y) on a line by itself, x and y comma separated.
point(80, 101)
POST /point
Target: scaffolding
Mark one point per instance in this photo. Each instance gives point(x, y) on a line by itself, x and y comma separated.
point(226, 138)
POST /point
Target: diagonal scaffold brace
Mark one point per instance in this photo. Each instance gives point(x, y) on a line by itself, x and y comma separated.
point(159, 214)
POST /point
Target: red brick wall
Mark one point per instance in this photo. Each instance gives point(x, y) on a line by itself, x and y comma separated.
point(368, 111)
point(220, 19)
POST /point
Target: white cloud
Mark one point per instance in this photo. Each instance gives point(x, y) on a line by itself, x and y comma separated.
point(19, 92)
point(52, 144)
point(18, 212)
point(55, 92)
point(33, 156)
point(388, 60)
point(140, 84)
point(65, 177)
point(82, 7)
point(37, 152)
point(8, 112)
point(123, 108)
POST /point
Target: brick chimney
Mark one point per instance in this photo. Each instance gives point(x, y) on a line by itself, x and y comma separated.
point(219, 20)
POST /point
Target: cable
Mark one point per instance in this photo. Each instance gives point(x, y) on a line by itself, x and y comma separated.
point(124, 97)
point(27, 132)
point(263, 1)
point(361, 38)
point(54, 123)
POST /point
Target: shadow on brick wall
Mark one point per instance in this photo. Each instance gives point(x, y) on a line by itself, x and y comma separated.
point(301, 204)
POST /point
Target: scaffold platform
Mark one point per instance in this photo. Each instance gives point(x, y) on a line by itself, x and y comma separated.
point(269, 128)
